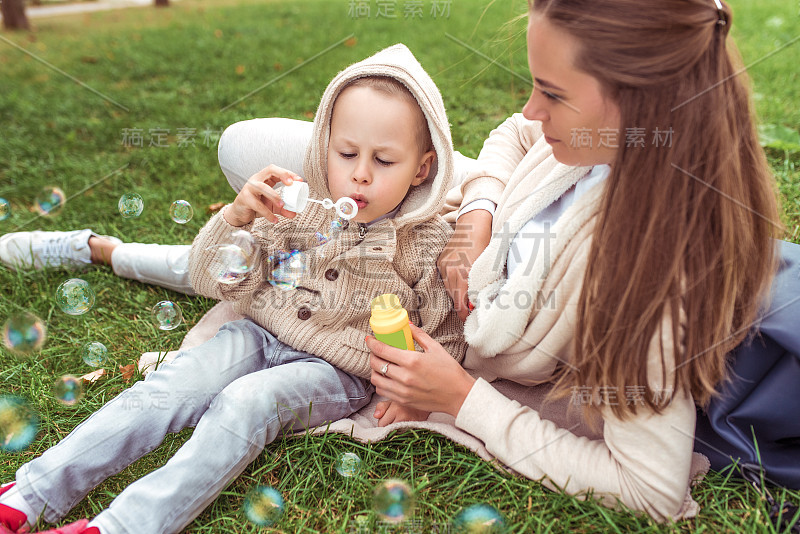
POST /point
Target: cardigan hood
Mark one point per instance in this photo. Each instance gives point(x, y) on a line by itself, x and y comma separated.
point(425, 200)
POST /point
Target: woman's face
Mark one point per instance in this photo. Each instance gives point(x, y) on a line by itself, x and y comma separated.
point(579, 123)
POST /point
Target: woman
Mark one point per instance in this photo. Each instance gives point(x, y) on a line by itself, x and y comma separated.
point(620, 268)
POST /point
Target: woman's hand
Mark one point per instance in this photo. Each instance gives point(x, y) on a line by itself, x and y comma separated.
point(472, 235)
point(431, 381)
point(388, 412)
point(258, 199)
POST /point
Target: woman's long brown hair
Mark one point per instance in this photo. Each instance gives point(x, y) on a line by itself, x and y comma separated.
point(685, 227)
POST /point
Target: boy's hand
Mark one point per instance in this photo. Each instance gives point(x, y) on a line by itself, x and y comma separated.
point(388, 412)
point(258, 199)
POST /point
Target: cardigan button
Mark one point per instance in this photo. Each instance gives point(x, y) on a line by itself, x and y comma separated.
point(331, 274)
point(303, 313)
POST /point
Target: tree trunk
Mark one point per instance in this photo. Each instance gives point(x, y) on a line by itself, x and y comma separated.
point(162, 3)
point(14, 15)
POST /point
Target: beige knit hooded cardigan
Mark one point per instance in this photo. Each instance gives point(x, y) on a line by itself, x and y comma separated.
point(328, 314)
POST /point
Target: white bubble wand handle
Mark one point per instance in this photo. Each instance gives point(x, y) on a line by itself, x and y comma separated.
point(295, 198)
point(346, 207)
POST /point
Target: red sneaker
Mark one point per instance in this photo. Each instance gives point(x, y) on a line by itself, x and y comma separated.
point(11, 519)
point(78, 527)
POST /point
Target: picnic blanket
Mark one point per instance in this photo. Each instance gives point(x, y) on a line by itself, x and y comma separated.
point(363, 427)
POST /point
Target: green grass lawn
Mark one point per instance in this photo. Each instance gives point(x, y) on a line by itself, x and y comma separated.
point(174, 79)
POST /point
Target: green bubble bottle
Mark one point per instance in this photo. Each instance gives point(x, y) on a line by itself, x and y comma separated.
point(389, 322)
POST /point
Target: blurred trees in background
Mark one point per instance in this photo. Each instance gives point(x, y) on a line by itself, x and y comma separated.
point(14, 17)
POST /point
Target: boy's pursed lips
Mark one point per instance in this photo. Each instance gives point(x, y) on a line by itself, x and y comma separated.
point(360, 199)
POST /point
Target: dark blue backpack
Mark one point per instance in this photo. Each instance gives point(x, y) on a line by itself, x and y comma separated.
point(755, 423)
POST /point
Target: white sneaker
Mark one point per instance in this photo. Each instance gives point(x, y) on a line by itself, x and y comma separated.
point(37, 250)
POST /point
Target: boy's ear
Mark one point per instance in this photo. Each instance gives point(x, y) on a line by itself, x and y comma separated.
point(425, 164)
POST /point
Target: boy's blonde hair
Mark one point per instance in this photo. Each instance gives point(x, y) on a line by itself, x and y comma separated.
point(393, 87)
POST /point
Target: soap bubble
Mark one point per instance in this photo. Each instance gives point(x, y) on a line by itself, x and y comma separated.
point(393, 500)
point(263, 506)
point(479, 519)
point(24, 333)
point(167, 315)
point(290, 270)
point(230, 264)
point(94, 354)
point(68, 390)
point(50, 200)
point(19, 423)
point(348, 464)
point(5, 209)
point(75, 296)
point(130, 205)
point(321, 238)
point(234, 257)
point(336, 227)
point(178, 259)
point(181, 211)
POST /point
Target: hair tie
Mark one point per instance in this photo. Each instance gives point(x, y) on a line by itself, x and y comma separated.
point(722, 20)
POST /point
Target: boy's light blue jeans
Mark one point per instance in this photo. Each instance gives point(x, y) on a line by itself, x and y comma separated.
point(240, 389)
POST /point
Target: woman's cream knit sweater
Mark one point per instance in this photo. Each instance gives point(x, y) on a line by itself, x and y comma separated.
point(523, 326)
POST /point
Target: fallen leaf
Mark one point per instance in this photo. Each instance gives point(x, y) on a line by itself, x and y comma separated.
point(215, 207)
point(351, 42)
point(277, 66)
point(94, 376)
point(127, 371)
point(308, 114)
point(240, 69)
point(218, 33)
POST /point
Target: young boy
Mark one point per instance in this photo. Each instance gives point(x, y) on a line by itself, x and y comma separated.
point(380, 137)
